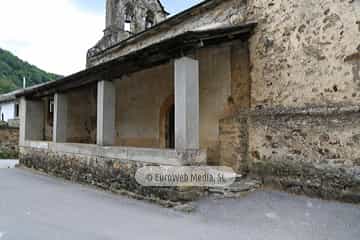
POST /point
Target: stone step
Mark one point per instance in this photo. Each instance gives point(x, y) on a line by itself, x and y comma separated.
point(236, 189)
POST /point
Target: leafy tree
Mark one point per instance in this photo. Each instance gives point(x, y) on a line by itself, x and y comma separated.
point(13, 69)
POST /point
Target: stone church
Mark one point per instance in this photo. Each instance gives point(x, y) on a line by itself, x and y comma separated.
point(270, 88)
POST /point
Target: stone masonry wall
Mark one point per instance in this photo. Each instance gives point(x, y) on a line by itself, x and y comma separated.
point(82, 115)
point(9, 142)
point(312, 151)
point(234, 142)
point(116, 175)
point(301, 52)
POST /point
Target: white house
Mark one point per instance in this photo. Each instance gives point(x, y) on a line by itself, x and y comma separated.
point(9, 107)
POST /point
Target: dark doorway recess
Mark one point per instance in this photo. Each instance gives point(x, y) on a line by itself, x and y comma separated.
point(170, 128)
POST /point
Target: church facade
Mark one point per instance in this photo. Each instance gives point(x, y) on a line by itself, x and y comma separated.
point(269, 88)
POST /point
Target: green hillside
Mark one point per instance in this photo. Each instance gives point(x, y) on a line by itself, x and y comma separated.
point(13, 69)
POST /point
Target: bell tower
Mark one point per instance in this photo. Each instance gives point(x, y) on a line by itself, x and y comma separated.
point(127, 17)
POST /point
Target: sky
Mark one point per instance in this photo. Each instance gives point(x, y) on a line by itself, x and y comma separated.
point(55, 35)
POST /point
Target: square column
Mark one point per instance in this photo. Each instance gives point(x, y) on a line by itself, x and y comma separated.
point(186, 104)
point(31, 120)
point(106, 113)
point(60, 118)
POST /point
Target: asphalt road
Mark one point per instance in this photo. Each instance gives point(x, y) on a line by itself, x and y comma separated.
point(37, 207)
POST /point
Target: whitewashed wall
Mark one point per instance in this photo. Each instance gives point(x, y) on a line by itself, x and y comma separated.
point(7, 110)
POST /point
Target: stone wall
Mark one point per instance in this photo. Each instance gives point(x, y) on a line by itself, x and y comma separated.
point(9, 142)
point(82, 115)
point(110, 168)
point(312, 151)
point(299, 51)
point(139, 98)
point(303, 54)
point(230, 142)
point(234, 143)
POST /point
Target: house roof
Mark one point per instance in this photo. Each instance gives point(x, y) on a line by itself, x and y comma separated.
point(150, 56)
point(11, 96)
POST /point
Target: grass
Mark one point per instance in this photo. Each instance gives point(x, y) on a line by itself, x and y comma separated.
point(8, 155)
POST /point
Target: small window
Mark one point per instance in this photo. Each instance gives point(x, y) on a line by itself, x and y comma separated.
point(51, 106)
point(127, 26)
point(149, 20)
point(50, 113)
point(129, 15)
point(17, 110)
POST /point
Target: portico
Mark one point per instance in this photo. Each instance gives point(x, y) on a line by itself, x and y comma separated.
point(186, 93)
point(119, 104)
point(159, 105)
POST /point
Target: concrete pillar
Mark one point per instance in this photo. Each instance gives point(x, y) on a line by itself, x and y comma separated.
point(60, 118)
point(106, 113)
point(31, 120)
point(186, 104)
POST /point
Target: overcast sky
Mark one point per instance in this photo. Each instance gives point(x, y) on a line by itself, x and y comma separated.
point(55, 34)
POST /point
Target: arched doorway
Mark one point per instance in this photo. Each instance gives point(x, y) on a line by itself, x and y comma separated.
point(167, 124)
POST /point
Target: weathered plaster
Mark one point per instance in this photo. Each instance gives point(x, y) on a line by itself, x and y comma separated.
point(139, 98)
point(82, 115)
point(298, 51)
point(224, 88)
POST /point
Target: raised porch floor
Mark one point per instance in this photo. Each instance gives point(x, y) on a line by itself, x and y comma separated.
point(169, 157)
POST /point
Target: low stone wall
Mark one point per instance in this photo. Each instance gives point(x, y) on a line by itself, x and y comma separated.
point(312, 151)
point(14, 123)
point(108, 168)
point(9, 142)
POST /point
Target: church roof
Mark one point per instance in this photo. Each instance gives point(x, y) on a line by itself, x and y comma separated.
point(147, 57)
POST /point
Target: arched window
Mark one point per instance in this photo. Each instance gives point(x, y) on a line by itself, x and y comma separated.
point(129, 16)
point(149, 20)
